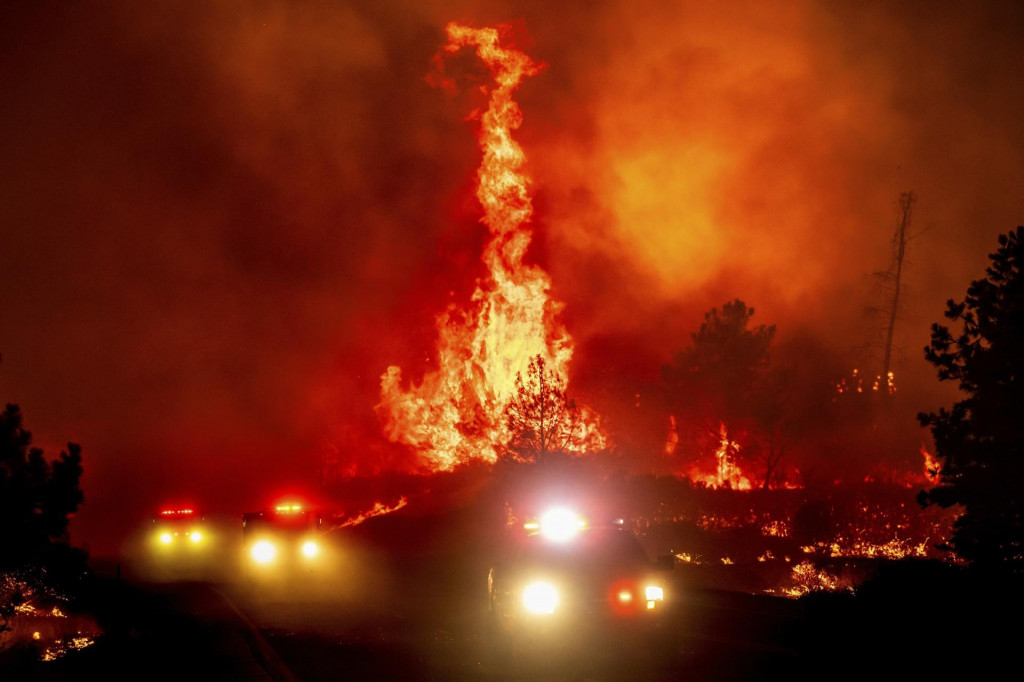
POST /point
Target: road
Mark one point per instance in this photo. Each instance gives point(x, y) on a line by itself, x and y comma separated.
point(394, 611)
point(430, 623)
point(387, 616)
point(395, 618)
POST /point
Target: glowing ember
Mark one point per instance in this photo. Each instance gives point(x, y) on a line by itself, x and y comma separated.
point(36, 622)
point(807, 578)
point(896, 548)
point(60, 647)
point(455, 414)
point(878, 384)
point(776, 528)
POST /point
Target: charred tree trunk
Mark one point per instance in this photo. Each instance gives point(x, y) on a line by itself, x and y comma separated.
point(772, 459)
point(905, 206)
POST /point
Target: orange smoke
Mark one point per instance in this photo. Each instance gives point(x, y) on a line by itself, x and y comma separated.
point(455, 414)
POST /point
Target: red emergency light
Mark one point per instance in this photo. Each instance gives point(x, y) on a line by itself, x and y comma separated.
point(177, 512)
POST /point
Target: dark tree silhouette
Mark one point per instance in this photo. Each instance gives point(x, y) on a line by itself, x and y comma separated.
point(725, 361)
point(541, 419)
point(980, 440)
point(36, 499)
point(721, 380)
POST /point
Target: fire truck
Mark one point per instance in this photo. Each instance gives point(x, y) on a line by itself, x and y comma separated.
point(564, 573)
point(287, 538)
point(179, 532)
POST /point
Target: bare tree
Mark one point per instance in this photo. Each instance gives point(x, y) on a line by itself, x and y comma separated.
point(890, 294)
point(900, 238)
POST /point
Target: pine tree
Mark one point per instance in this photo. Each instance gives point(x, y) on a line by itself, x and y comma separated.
point(541, 419)
point(980, 440)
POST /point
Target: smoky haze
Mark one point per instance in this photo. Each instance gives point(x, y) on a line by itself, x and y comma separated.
point(222, 221)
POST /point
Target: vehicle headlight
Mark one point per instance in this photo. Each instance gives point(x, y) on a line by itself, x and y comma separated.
point(165, 538)
point(195, 536)
point(263, 552)
point(654, 593)
point(310, 549)
point(540, 597)
point(560, 524)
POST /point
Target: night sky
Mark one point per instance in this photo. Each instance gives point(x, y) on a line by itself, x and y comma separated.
point(222, 221)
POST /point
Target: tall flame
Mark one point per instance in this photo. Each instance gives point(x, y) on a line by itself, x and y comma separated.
point(728, 472)
point(455, 414)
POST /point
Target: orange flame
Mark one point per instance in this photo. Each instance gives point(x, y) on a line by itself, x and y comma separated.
point(455, 414)
point(672, 440)
point(932, 466)
point(727, 470)
point(378, 509)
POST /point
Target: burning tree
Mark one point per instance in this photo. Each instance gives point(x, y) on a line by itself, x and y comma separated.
point(719, 391)
point(980, 441)
point(542, 420)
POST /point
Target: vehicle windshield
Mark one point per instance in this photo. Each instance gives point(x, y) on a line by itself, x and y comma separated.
point(593, 548)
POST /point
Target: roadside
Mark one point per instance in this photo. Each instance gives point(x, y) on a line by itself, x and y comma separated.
point(159, 631)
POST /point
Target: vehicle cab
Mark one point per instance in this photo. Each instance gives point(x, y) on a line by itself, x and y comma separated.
point(287, 537)
point(178, 532)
